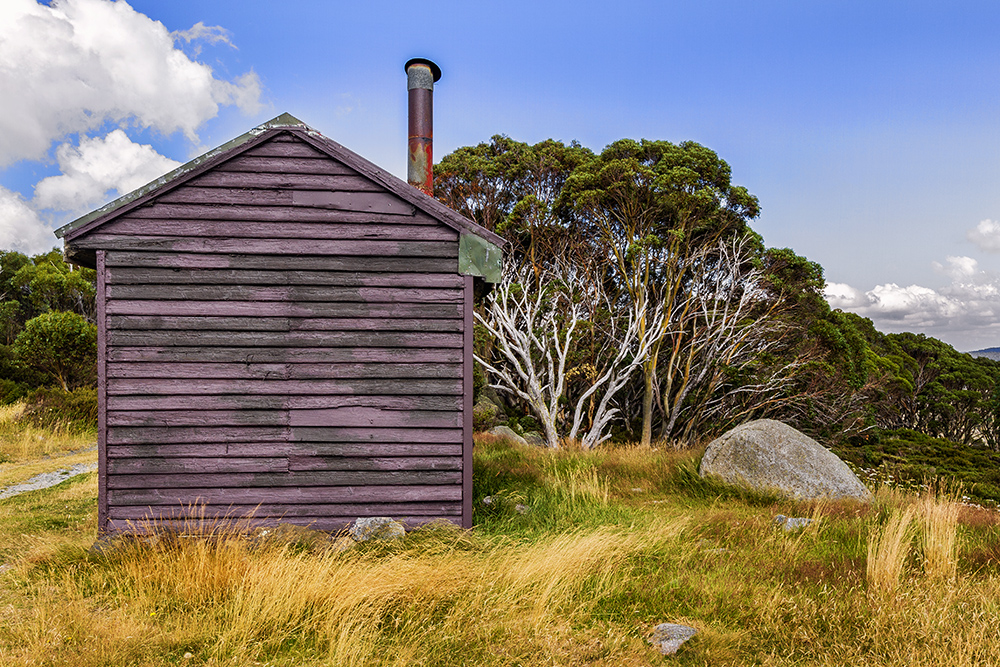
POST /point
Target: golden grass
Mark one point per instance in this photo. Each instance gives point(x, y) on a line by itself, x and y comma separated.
point(229, 601)
point(23, 442)
point(884, 584)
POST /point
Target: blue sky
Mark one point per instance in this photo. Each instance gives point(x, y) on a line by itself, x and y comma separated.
point(869, 130)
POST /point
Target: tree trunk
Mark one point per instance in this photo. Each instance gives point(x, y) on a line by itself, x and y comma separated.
point(647, 408)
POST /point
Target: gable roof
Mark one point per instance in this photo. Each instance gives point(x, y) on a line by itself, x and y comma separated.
point(479, 253)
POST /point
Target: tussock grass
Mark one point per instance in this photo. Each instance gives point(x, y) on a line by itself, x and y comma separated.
point(605, 546)
point(22, 441)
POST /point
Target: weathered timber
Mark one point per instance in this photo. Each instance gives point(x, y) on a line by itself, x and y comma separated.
point(363, 386)
point(288, 494)
point(282, 309)
point(308, 262)
point(176, 465)
point(285, 166)
point(277, 512)
point(362, 247)
point(352, 416)
point(286, 230)
point(297, 293)
point(291, 338)
point(152, 276)
point(258, 323)
point(294, 355)
point(213, 526)
point(197, 402)
point(301, 463)
point(138, 435)
point(259, 371)
point(264, 181)
point(286, 149)
point(278, 480)
point(367, 202)
point(270, 449)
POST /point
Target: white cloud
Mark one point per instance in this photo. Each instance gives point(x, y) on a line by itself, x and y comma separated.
point(73, 66)
point(200, 32)
point(20, 227)
point(957, 268)
point(966, 313)
point(97, 166)
point(986, 235)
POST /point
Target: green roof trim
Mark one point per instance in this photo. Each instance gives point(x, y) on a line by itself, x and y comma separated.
point(284, 120)
point(479, 257)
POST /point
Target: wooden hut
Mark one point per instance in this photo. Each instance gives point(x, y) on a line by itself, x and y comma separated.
point(284, 333)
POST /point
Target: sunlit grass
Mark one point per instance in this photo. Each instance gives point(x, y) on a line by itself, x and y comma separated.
point(21, 441)
point(573, 561)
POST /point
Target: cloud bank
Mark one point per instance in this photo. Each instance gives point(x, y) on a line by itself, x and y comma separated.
point(78, 66)
point(965, 314)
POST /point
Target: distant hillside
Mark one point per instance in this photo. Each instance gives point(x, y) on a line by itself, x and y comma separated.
point(990, 353)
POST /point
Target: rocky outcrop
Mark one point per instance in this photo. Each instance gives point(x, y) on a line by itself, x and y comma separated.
point(767, 455)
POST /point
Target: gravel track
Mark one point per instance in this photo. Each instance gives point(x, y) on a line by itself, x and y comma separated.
point(47, 479)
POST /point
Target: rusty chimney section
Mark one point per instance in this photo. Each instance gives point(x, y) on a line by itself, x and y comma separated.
point(420, 77)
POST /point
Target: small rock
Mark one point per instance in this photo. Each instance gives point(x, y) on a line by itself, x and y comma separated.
point(508, 433)
point(669, 637)
point(376, 528)
point(488, 500)
point(535, 438)
point(791, 523)
point(521, 509)
point(188, 655)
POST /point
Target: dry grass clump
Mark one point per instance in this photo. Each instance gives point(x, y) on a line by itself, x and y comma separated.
point(21, 441)
point(229, 600)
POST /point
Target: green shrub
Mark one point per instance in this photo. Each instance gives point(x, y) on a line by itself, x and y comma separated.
point(51, 407)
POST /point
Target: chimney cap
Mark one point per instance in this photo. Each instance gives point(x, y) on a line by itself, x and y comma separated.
point(435, 70)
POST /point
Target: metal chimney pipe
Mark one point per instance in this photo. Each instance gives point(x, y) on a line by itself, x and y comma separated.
point(420, 77)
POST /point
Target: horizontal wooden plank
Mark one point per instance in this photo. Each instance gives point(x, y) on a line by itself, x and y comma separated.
point(201, 465)
point(288, 165)
point(138, 435)
point(308, 262)
point(325, 293)
point(282, 230)
point(366, 386)
point(359, 416)
point(268, 246)
point(261, 371)
point(294, 355)
point(286, 495)
point(152, 275)
point(362, 208)
point(211, 323)
point(261, 181)
point(301, 463)
point(136, 512)
point(342, 200)
point(374, 202)
point(198, 402)
point(332, 417)
point(273, 449)
point(287, 149)
point(285, 181)
point(314, 309)
point(176, 465)
point(324, 478)
point(291, 339)
point(329, 524)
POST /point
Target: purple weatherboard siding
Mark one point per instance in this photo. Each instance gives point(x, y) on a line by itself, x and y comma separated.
point(284, 335)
